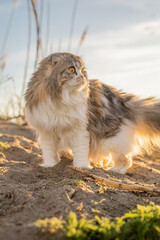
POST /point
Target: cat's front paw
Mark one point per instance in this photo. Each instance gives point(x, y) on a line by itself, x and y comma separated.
point(47, 165)
point(81, 165)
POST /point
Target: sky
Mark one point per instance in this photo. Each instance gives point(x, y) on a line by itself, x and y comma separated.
point(121, 48)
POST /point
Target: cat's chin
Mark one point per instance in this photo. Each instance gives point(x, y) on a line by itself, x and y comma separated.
point(80, 87)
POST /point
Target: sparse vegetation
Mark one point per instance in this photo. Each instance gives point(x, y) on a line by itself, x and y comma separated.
point(76, 183)
point(4, 145)
point(142, 223)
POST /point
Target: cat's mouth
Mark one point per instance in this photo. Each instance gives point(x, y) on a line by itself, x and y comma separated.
point(80, 81)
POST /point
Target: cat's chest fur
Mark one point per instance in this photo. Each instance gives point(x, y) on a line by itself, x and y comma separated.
point(58, 117)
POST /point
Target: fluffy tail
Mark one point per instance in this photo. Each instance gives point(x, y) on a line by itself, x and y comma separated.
point(147, 116)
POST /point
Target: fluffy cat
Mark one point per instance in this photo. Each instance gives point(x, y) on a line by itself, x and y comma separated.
point(95, 121)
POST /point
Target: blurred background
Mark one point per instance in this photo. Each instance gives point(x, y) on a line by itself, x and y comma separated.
point(119, 41)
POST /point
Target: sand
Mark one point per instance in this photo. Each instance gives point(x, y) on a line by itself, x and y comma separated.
point(29, 192)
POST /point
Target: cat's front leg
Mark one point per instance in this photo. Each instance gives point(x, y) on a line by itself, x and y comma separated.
point(80, 148)
point(48, 146)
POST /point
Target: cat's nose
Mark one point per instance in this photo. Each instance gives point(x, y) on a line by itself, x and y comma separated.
point(80, 76)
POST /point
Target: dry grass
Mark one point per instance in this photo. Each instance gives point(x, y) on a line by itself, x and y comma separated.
point(15, 104)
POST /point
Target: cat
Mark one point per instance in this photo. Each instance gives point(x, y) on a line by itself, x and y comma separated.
point(93, 120)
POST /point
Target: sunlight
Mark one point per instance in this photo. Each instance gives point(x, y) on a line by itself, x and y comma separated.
point(3, 161)
point(85, 187)
point(146, 144)
point(145, 166)
point(129, 157)
point(3, 170)
point(105, 161)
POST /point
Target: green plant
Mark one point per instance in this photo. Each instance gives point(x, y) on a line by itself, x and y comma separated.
point(142, 223)
point(4, 145)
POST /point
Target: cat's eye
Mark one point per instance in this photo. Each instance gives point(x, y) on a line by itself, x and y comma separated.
point(72, 70)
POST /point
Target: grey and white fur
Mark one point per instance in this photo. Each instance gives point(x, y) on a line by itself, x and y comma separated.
point(93, 120)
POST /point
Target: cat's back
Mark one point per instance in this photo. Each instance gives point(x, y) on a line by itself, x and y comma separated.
point(108, 109)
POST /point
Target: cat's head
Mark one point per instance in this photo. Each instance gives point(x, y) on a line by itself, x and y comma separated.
point(58, 75)
point(65, 72)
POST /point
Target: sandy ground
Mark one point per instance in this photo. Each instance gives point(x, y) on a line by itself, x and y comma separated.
point(29, 192)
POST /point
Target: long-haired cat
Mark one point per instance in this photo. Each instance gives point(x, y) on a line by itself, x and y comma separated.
point(95, 121)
